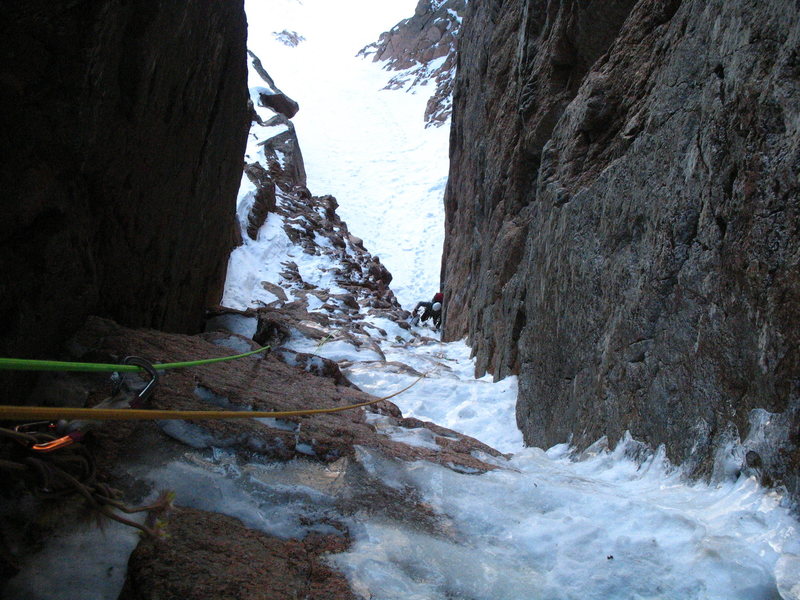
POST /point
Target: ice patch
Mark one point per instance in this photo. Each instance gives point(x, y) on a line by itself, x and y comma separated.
point(420, 437)
point(322, 241)
point(254, 262)
point(236, 344)
point(436, 64)
point(787, 573)
point(281, 424)
point(394, 333)
point(306, 449)
point(336, 350)
point(210, 396)
point(217, 483)
point(245, 326)
point(538, 529)
point(84, 557)
point(193, 435)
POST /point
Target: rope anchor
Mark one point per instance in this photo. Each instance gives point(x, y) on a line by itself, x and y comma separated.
point(122, 397)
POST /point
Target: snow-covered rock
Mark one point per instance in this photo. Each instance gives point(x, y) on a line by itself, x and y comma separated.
point(423, 49)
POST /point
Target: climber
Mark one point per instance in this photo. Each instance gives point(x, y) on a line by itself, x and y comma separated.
point(430, 310)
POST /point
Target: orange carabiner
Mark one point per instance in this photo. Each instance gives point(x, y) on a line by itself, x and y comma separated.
point(61, 442)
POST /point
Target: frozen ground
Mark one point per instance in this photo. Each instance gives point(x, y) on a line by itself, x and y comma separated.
point(551, 525)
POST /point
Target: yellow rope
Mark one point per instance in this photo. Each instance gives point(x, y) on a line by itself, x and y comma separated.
point(52, 413)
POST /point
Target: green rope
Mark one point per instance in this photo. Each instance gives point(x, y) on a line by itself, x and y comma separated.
point(23, 364)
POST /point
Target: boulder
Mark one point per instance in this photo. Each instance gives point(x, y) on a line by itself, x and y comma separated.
point(271, 97)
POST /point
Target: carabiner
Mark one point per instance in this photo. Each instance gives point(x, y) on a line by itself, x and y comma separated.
point(147, 390)
point(38, 425)
point(62, 442)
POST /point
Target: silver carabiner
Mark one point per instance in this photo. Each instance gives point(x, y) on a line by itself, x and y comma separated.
point(147, 390)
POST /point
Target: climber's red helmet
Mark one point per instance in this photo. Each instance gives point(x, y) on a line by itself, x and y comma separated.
point(439, 297)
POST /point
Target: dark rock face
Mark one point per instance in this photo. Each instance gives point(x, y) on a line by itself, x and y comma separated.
point(415, 44)
point(622, 221)
point(124, 129)
point(512, 89)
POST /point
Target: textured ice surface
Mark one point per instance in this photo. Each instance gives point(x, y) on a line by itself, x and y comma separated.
point(82, 561)
point(551, 528)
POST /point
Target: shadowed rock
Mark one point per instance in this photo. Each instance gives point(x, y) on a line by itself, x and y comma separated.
point(209, 555)
point(622, 214)
point(130, 210)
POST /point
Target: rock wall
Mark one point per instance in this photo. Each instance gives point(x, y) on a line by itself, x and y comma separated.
point(273, 159)
point(622, 222)
point(126, 123)
point(423, 49)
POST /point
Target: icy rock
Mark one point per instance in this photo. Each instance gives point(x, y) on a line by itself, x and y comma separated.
point(273, 97)
point(236, 321)
point(263, 384)
point(289, 38)
point(316, 365)
point(271, 331)
point(208, 555)
point(264, 201)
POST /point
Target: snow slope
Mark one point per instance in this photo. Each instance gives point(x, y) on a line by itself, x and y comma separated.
point(364, 145)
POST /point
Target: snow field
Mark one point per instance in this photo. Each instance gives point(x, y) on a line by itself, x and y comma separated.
point(448, 395)
point(366, 146)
